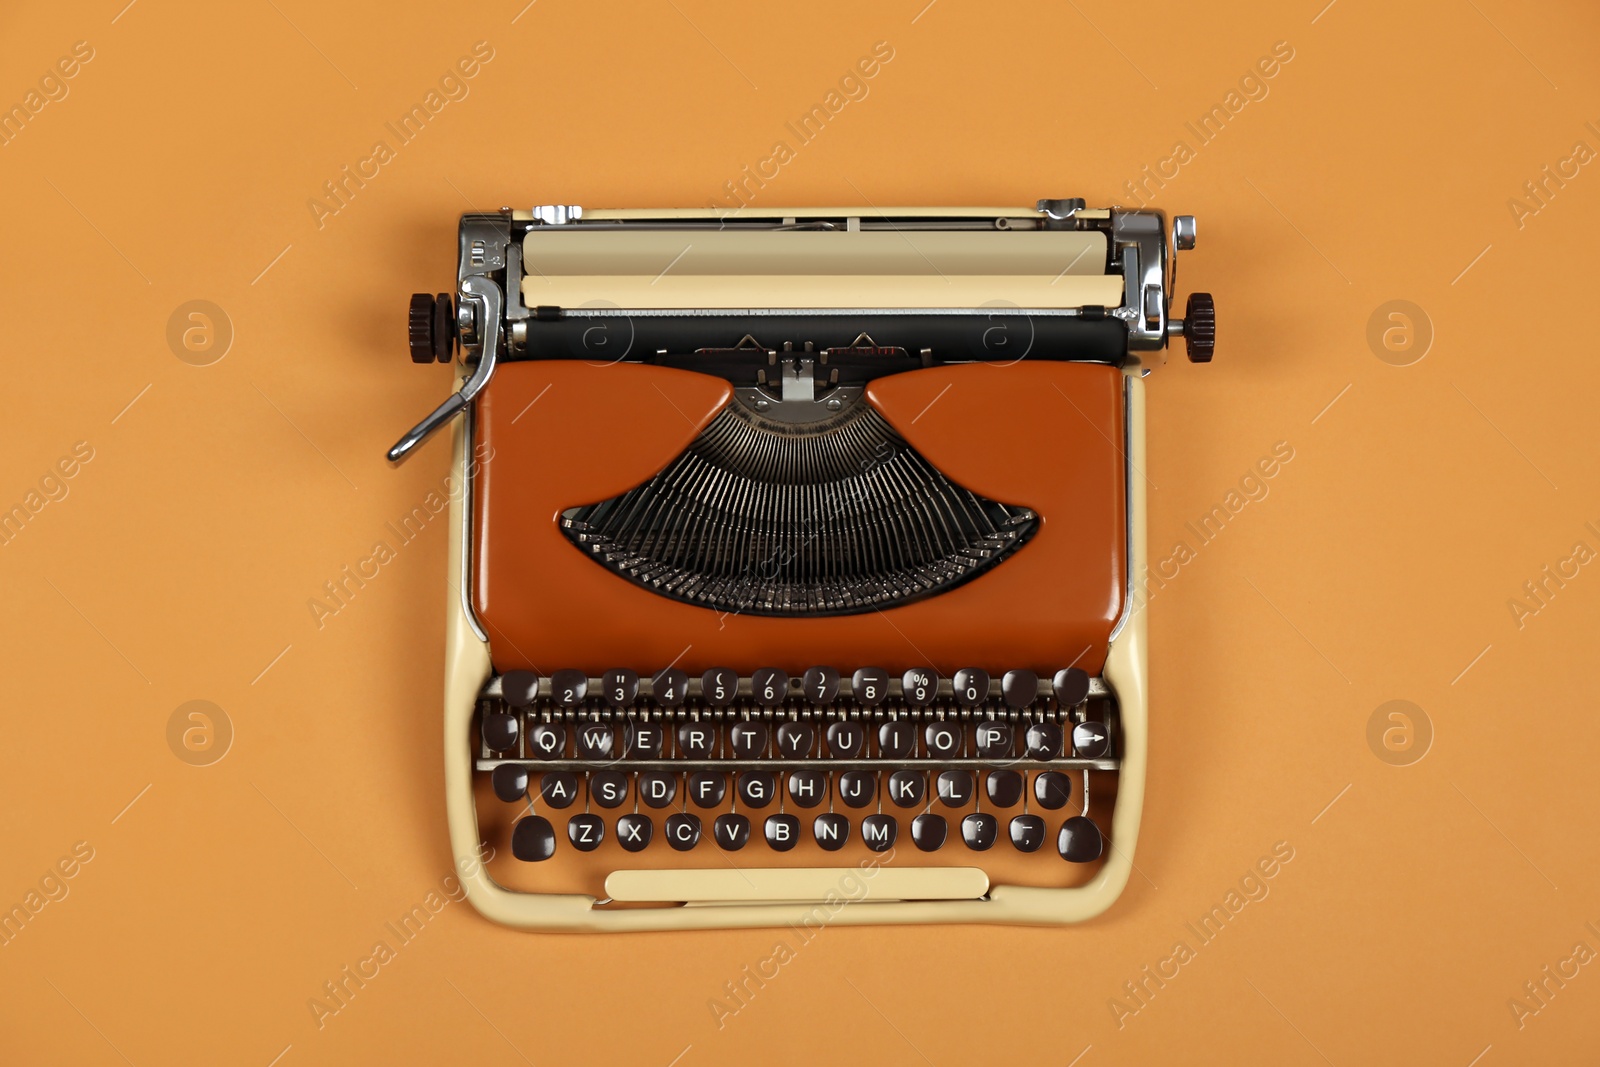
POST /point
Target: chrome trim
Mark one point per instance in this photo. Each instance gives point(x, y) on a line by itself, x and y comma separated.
point(468, 542)
point(1127, 504)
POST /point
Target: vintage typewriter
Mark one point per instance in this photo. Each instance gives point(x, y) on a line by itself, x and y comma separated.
point(793, 564)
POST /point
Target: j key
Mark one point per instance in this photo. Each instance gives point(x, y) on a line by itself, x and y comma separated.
point(669, 687)
point(870, 686)
point(908, 788)
point(548, 740)
point(808, 788)
point(644, 740)
point(1019, 688)
point(994, 740)
point(510, 782)
point(831, 831)
point(857, 788)
point(748, 739)
point(634, 832)
point(518, 688)
point(719, 686)
point(896, 739)
point(1091, 739)
point(1044, 740)
point(770, 686)
point(878, 832)
point(846, 739)
point(707, 788)
point(929, 831)
point(1027, 833)
point(1052, 790)
point(657, 788)
point(568, 688)
point(821, 685)
point(559, 788)
point(620, 687)
point(783, 832)
point(595, 740)
point(696, 740)
point(1080, 840)
point(731, 831)
point(609, 789)
point(1004, 788)
point(796, 739)
point(943, 739)
point(920, 686)
point(500, 730)
point(534, 839)
point(1072, 687)
point(979, 831)
point(757, 788)
point(972, 687)
point(955, 788)
point(682, 830)
point(586, 832)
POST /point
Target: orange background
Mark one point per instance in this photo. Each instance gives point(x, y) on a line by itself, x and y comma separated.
point(1378, 167)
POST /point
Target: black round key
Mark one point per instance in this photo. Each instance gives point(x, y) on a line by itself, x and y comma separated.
point(979, 831)
point(857, 788)
point(845, 739)
point(821, 685)
point(595, 740)
point(609, 789)
point(808, 788)
point(920, 685)
point(586, 832)
point(559, 788)
point(870, 686)
point(783, 832)
point(929, 831)
point(943, 739)
point(534, 839)
point(1027, 833)
point(682, 830)
point(908, 788)
point(994, 739)
point(1019, 687)
point(955, 788)
point(1080, 840)
point(796, 739)
point(770, 686)
point(1052, 789)
point(731, 831)
point(620, 687)
point(669, 687)
point(500, 730)
point(757, 788)
point(696, 740)
point(707, 788)
point(510, 782)
point(1004, 788)
point(657, 788)
point(1044, 740)
point(972, 687)
point(1090, 740)
point(548, 740)
point(643, 740)
point(518, 688)
point(831, 831)
point(568, 688)
point(878, 832)
point(634, 832)
point(897, 739)
point(748, 739)
point(719, 686)
point(1071, 686)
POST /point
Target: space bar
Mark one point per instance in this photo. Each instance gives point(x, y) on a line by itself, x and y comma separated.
point(753, 884)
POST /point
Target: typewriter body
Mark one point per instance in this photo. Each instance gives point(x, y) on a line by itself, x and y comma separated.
point(791, 582)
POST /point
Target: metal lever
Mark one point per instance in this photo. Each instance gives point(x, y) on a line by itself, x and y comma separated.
point(485, 294)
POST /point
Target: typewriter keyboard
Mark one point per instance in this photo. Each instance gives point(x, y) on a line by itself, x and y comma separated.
point(817, 767)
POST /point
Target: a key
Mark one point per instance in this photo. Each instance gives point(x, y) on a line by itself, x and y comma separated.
point(748, 739)
point(896, 739)
point(707, 788)
point(857, 788)
point(634, 832)
point(548, 740)
point(796, 739)
point(979, 831)
point(731, 831)
point(1090, 740)
point(831, 831)
point(1019, 688)
point(757, 788)
point(821, 685)
point(929, 831)
point(870, 686)
point(510, 782)
point(1071, 686)
point(620, 687)
point(971, 686)
point(1027, 833)
point(845, 739)
point(719, 686)
point(878, 832)
point(807, 788)
point(1044, 740)
point(609, 789)
point(908, 788)
point(669, 687)
point(1004, 788)
point(568, 688)
point(595, 740)
point(559, 788)
point(586, 832)
point(1080, 840)
point(682, 830)
point(643, 740)
point(770, 686)
point(696, 740)
point(1052, 789)
point(783, 832)
point(657, 788)
point(500, 730)
point(955, 788)
point(518, 688)
point(993, 739)
point(534, 839)
point(920, 685)
point(943, 739)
